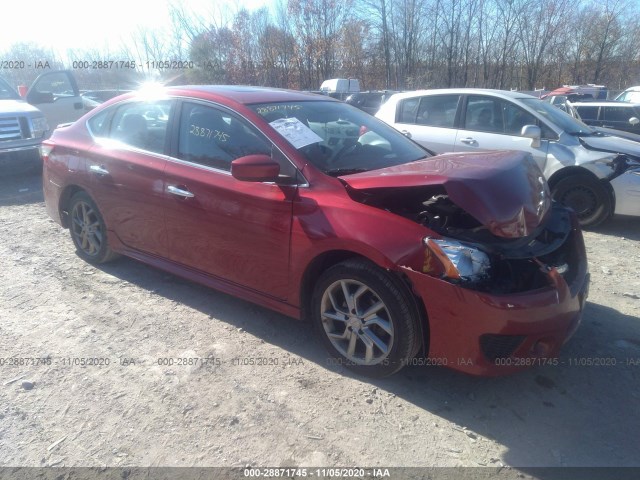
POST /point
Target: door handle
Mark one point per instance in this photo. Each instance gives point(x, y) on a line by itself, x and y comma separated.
point(468, 140)
point(99, 170)
point(179, 191)
point(406, 133)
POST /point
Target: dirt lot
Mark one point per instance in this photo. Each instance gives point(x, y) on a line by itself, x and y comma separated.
point(302, 411)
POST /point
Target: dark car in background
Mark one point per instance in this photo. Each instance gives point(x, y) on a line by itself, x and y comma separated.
point(92, 98)
point(369, 102)
point(315, 209)
point(616, 115)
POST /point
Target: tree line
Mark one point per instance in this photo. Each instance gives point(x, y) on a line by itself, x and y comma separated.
point(393, 44)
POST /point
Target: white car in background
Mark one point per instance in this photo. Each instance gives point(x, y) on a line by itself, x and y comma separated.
point(595, 174)
point(631, 94)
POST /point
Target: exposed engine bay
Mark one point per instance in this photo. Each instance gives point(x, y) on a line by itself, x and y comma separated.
point(516, 264)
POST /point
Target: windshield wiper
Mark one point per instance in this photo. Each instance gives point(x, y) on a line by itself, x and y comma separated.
point(582, 134)
point(344, 171)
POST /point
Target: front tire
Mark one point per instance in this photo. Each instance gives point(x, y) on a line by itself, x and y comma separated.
point(365, 318)
point(88, 230)
point(587, 196)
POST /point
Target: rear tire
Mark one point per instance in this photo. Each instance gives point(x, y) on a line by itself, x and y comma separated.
point(365, 318)
point(587, 196)
point(88, 230)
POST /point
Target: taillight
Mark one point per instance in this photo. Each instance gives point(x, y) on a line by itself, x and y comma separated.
point(46, 148)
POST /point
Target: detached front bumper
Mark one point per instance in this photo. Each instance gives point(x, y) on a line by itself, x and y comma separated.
point(495, 334)
point(627, 191)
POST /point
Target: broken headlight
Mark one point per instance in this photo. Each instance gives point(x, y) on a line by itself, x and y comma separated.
point(454, 260)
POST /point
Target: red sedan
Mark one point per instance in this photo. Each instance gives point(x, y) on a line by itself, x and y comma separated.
point(313, 208)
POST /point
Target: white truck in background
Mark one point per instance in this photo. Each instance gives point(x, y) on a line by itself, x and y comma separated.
point(340, 88)
point(52, 99)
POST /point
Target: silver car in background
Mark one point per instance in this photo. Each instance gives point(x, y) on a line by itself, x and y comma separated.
point(595, 174)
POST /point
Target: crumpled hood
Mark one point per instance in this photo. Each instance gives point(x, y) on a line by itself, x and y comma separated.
point(16, 106)
point(504, 191)
point(612, 145)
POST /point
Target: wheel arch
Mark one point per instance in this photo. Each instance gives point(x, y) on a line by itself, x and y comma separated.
point(65, 200)
point(568, 172)
point(574, 170)
point(328, 259)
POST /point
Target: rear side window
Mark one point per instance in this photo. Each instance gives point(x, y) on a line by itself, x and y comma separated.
point(438, 111)
point(98, 124)
point(141, 125)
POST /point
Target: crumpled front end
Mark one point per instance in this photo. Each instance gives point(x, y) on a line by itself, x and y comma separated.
point(517, 311)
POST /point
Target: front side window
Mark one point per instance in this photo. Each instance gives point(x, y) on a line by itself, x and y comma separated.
point(618, 114)
point(55, 83)
point(484, 114)
point(490, 114)
point(214, 137)
point(141, 125)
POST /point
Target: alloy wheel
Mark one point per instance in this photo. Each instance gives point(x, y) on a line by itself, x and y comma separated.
point(357, 322)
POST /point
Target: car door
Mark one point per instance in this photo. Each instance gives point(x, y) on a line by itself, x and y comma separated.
point(429, 120)
point(491, 123)
point(126, 166)
point(56, 95)
point(234, 230)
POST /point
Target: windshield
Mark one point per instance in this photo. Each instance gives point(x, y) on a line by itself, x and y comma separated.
point(6, 92)
point(338, 138)
point(557, 117)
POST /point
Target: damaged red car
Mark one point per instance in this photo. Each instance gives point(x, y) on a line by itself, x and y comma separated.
point(317, 210)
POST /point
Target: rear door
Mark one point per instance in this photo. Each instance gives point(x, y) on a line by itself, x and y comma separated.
point(126, 166)
point(56, 95)
point(429, 120)
point(491, 123)
point(234, 230)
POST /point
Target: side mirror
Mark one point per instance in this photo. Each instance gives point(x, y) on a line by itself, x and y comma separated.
point(534, 133)
point(255, 168)
point(34, 97)
point(634, 121)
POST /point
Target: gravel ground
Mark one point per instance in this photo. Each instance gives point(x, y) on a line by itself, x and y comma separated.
point(295, 408)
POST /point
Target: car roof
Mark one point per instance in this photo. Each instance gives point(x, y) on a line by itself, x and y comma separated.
point(464, 91)
point(244, 94)
point(607, 103)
